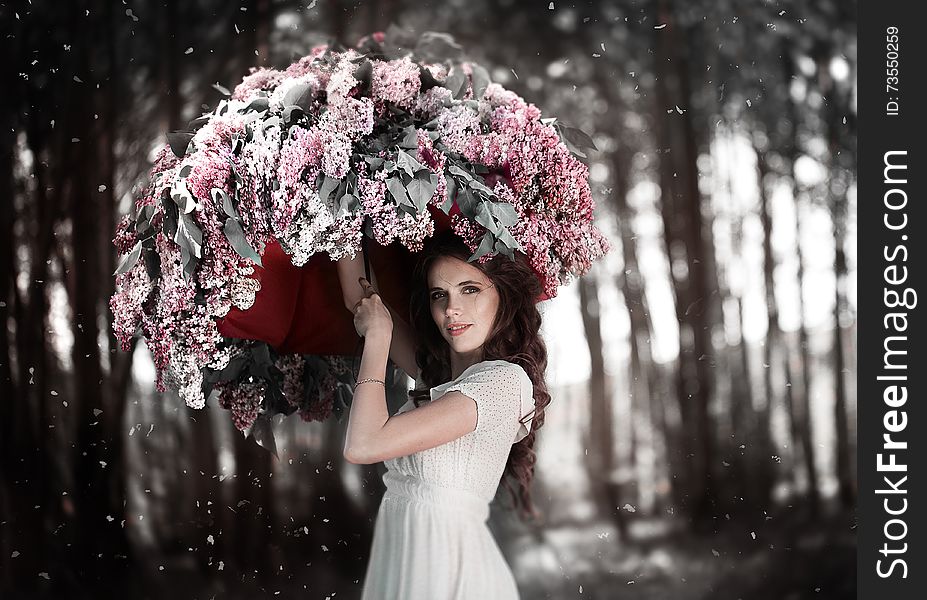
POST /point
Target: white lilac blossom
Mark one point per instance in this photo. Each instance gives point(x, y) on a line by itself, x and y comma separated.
point(306, 158)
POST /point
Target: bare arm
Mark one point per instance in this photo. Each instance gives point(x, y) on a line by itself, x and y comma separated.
point(373, 436)
point(402, 347)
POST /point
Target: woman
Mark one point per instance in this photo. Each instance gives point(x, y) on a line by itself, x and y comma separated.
point(478, 362)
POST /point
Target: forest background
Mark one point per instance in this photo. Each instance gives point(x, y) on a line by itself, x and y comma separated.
point(701, 437)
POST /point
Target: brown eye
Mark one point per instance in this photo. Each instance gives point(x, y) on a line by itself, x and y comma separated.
point(436, 295)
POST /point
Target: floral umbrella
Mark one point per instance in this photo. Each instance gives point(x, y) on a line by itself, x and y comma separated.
point(228, 268)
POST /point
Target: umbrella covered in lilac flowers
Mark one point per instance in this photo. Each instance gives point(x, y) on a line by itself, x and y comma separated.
point(228, 269)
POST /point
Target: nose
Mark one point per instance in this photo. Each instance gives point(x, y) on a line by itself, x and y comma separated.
point(453, 306)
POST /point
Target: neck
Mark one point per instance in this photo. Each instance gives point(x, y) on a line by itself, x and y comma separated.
point(461, 362)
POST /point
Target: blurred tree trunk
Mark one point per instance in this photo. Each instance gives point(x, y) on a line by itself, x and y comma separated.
point(101, 548)
point(170, 74)
point(837, 202)
point(207, 490)
point(336, 21)
point(643, 385)
point(255, 507)
point(12, 500)
point(756, 437)
point(32, 476)
point(775, 343)
point(600, 462)
point(689, 261)
point(774, 339)
point(263, 19)
point(256, 51)
point(801, 404)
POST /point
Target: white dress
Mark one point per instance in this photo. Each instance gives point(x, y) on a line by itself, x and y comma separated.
point(431, 541)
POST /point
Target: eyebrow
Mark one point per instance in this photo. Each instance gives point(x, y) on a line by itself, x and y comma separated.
point(462, 283)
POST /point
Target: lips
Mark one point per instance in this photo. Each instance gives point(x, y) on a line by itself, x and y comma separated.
point(456, 330)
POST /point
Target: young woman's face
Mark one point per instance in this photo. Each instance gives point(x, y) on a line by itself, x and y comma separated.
point(463, 303)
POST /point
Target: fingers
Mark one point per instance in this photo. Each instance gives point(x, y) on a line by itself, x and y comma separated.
point(369, 292)
point(367, 286)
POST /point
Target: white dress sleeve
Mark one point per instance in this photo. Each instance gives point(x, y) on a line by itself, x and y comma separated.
point(503, 395)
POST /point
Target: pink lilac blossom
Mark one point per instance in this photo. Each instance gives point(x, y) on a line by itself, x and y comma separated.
point(244, 401)
point(389, 222)
point(397, 81)
point(258, 168)
point(160, 176)
point(336, 161)
point(259, 80)
point(341, 82)
point(209, 170)
point(435, 160)
point(456, 126)
point(132, 291)
point(429, 104)
point(318, 407)
point(126, 237)
point(293, 368)
point(352, 116)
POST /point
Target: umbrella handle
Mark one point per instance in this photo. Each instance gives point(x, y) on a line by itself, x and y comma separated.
point(366, 259)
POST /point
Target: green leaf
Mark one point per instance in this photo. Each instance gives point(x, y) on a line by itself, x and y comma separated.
point(363, 73)
point(185, 202)
point(484, 248)
point(456, 82)
point(436, 47)
point(476, 184)
point(188, 260)
point(428, 80)
point(484, 217)
point(329, 185)
point(421, 192)
point(236, 237)
point(186, 170)
point(467, 202)
point(398, 191)
point(221, 89)
point(480, 80)
point(197, 123)
point(257, 105)
point(263, 433)
point(127, 262)
point(375, 162)
point(299, 95)
point(143, 220)
point(291, 114)
point(410, 138)
point(506, 238)
point(449, 195)
point(407, 163)
point(179, 140)
point(190, 235)
point(347, 204)
point(218, 195)
point(152, 262)
point(577, 137)
point(504, 212)
point(169, 225)
point(455, 170)
point(269, 122)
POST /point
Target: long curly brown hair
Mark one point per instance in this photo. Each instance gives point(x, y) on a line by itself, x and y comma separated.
point(514, 337)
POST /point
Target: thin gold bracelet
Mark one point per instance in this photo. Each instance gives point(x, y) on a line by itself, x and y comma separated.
point(370, 380)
